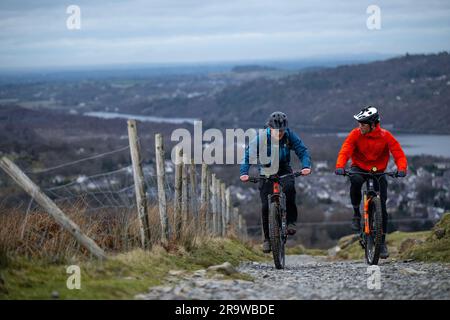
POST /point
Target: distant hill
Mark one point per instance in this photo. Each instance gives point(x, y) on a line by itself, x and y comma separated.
point(252, 68)
point(411, 91)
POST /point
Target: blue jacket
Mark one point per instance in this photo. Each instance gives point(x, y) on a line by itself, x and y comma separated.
point(290, 141)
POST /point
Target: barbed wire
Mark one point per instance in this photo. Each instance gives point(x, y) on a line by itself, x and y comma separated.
point(77, 161)
point(97, 175)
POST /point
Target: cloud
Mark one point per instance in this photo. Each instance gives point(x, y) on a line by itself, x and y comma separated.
point(34, 33)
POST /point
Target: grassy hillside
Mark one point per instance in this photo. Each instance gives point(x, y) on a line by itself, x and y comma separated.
point(120, 277)
point(415, 86)
point(300, 249)
point(351, 249)
point(433, 245)
point(33, 263)
point(436, 246)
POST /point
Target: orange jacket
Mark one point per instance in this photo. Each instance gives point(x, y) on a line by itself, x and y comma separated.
point(371, 150)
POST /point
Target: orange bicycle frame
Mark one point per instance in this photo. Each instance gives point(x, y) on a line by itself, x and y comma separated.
point(276, 188)
point(366, 213)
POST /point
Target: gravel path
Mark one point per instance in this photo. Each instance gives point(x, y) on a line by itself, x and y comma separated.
point(307, 277)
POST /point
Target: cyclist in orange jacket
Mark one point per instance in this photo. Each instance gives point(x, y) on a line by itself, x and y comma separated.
point(368, 146)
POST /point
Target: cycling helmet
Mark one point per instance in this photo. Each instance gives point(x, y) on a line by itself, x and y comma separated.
point(277, 120)
point(368, 115)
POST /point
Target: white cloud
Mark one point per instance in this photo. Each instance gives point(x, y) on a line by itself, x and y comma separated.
point(193, 30)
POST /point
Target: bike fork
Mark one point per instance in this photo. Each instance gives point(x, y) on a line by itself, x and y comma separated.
point(366, 230)
point(366, 213)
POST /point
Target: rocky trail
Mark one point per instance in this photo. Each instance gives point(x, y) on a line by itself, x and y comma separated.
point(308, 277)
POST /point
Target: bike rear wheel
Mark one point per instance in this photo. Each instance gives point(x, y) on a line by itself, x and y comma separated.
point(275, 236)
point(373, 239)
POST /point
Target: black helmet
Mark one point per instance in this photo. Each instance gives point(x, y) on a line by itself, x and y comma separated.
point(368, 115)
point(277, 120)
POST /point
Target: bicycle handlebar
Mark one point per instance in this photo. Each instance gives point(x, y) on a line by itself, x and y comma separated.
point(375, 174)
point(274, 177)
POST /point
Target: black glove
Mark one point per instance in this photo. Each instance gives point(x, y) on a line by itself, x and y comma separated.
point(400, 174)
point(340, 171)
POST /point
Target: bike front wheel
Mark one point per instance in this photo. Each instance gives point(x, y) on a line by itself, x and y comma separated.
point(275, 236)
point(373, 239)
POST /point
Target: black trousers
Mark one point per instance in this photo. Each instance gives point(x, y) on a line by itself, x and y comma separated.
point(357, 182)
point(266, 187)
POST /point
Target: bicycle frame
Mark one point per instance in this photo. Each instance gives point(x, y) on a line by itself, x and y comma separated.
point(277, 216)
point(277, 193)
point(369, 193)
point(278, 196)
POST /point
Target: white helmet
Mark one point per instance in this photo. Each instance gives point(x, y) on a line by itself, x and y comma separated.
point(368, 115)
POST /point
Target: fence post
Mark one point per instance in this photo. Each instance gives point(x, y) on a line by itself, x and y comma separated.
point(208, 199)
point(213, 202)
point(240, 226)
point(139, 184)
point(35, 192)
point(228, 209)
point(244, 229)
point(193, 190)
point(218, 208)
point(223, 209)
point(185, 193)
point(161, 176)
point(203, 196)
point(235, 221)
point(177, 218)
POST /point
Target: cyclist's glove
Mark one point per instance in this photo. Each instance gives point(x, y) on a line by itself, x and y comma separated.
point(400, 174)
point(339, 172)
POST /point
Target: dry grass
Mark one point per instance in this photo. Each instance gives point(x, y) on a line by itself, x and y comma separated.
point(37, 235)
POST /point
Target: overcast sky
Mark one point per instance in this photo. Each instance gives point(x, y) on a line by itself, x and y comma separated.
point(34, 33)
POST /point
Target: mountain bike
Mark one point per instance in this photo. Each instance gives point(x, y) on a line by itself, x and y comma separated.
point(277, 216)
point(372, 231)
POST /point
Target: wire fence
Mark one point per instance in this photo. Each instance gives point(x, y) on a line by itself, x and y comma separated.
point(104, 190)
point(172, 196)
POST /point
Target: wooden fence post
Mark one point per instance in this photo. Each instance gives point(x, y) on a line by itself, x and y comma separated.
point(161, 176)
point(223, 209)
point(228, 209)
point(177, 218)
point(185, 193)
point(203, 197)
point(213, 203)
point(244, 229)
point(218, 208)
point(35, 192)
point(240, 227)
point(235, 221)
point(208, 218)
point(193, 190)
point(139, 184)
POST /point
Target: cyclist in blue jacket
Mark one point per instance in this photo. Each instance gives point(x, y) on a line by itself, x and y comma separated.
point(288, 140)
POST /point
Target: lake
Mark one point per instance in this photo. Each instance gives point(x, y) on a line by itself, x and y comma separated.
point(113, 115)
point(430, 144)
point(412, 144)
